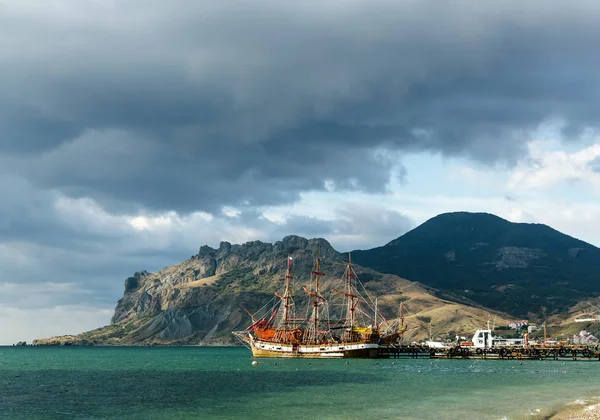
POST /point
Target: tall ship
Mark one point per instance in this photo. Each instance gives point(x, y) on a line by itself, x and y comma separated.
point(343, 325)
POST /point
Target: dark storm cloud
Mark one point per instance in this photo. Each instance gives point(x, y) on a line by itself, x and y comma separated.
point(193, 105)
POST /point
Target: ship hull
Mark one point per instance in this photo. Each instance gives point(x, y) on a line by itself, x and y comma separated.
point(322, 351)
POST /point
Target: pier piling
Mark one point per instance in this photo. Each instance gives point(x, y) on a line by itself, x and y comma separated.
point(502, 353)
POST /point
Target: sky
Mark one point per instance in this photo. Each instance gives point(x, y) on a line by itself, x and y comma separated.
point(132, 133)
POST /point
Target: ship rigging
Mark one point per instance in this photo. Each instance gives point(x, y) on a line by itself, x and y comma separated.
point(351, 332)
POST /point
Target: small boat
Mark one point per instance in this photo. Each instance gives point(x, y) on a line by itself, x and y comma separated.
point(482, 339)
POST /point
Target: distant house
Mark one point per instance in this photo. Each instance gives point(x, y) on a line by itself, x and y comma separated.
point(517, 325)
point(584, 337)
point(589, 318)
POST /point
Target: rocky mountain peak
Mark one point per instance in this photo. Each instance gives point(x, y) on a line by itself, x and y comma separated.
point(224, 248)
point(294, 241)
point(206, 250)
point(133, 282)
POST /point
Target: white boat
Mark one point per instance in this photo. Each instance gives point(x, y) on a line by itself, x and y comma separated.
point(486, 339)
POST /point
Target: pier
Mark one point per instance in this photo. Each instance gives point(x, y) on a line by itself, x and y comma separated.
point(502, 353)
point(404, 352)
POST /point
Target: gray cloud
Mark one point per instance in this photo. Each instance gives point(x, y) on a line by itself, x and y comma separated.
point(354, 226)
point(195, 105)
point(371, 224)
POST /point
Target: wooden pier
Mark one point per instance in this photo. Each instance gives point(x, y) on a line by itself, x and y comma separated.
point(404, 352)
point(502, 353)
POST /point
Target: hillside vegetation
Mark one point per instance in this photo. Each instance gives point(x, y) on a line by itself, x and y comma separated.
point(518, 268)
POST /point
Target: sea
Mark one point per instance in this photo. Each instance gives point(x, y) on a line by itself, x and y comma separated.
point(222, 383)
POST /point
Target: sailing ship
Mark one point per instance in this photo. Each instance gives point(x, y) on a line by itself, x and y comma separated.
point(282, 333)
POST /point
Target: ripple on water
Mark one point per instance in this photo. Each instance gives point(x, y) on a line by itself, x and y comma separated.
point(196, 382)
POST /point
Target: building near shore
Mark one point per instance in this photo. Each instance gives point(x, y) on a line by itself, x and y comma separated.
point(584, 337)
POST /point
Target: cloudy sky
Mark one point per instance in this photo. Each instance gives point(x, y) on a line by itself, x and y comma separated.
point(132, 132)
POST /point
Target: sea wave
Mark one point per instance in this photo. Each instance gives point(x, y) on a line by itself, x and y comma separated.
point(578, 401)
point(592, 407)
point(580, 408)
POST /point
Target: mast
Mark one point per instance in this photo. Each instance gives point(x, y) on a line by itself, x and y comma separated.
point(287, 297)
point(351, 308)
point(402, 320)
point(316, 295)
point(375, 313)
point(544, 344)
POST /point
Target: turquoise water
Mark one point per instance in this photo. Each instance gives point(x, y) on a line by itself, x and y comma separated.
point(204, 383)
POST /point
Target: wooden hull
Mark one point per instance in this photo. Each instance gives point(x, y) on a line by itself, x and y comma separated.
point(321, 351)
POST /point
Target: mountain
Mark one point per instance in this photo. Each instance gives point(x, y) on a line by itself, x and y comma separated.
point(201, 300)
point(517, 268)
point(462, 267)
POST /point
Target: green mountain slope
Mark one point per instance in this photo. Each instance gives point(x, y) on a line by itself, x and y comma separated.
point(517, 268)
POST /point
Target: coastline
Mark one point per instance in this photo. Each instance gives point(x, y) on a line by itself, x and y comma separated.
point(78, 341)
point(578, 410)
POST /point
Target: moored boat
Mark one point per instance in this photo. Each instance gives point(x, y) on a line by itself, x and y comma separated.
point(281, 333)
